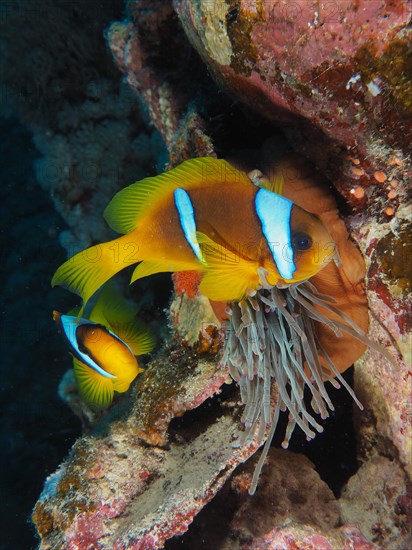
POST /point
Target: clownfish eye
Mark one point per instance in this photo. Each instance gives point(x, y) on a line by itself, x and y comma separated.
point(301, 241)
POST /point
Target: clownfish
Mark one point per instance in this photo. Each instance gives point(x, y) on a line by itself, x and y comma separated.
point(204, 215)
point(104, 347)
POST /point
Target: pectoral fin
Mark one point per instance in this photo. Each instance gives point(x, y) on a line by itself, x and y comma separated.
point(136, 336)
point(95, 390)
point(228, 276)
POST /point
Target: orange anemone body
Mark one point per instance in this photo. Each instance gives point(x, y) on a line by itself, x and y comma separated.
point(344, 284)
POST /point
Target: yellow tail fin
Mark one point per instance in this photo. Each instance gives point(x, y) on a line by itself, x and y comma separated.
point(88, 270)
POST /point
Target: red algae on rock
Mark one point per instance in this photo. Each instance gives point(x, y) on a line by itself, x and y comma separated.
point(187, 282)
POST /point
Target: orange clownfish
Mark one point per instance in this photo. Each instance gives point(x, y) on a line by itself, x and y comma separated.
point(204, 215)
point(104, 347)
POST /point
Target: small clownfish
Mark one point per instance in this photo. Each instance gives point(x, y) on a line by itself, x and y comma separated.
point(207, 216)
point(104, 347)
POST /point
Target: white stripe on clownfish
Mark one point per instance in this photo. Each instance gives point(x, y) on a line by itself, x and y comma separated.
point(274, 214)
point(69, 325)
point(187, 220)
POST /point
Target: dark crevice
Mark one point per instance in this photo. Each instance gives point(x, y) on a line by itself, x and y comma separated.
point(333, 453)
point(194, 422)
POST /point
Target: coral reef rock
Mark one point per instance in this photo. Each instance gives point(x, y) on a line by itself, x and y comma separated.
point(142, 49)
point(58, 78)
point(96, 148)
point(382, 482)
point(293, 508)
point(132, 485)
point(384, 388)
point(337, 73)
point(337, 78)
point(290, 491)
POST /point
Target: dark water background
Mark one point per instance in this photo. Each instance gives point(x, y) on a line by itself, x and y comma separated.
point(37, 429)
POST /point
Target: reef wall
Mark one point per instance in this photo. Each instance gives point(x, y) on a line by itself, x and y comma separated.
point(59, 79)
point(143, 474)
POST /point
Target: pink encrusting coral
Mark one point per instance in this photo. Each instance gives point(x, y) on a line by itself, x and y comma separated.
point(336, 73)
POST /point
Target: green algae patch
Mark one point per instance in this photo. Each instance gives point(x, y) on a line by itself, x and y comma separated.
point(239, 27)
point(394, 66)
point(395, 257)
point(180, 381)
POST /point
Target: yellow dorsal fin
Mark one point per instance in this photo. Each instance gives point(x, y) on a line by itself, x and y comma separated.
point(96, 390)
point(149, 267)
point(125, 209)
point(228, 276)
point(273, 183)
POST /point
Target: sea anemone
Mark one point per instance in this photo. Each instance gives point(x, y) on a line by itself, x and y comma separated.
point(301, 336)
point(274, 336)
point(280, 341)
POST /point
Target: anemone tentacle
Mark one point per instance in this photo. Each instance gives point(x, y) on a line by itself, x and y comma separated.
point(271, 340)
